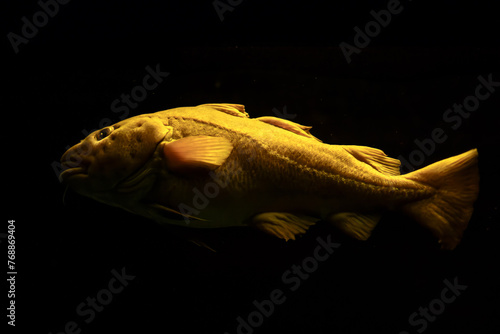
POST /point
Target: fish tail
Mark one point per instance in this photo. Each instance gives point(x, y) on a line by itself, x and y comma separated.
point(449, 210)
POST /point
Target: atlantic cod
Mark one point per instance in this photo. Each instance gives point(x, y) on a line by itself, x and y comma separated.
point(212, 166)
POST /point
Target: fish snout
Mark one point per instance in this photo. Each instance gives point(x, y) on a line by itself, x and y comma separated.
point(75, 160)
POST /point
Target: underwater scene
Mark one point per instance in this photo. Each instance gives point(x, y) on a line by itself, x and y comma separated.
point(242, 168)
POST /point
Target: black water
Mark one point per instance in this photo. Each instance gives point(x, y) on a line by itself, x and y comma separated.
point(278, 60)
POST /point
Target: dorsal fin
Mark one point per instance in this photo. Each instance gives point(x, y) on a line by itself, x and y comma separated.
point(296, 128)
point(231, 109)
point(375, 158)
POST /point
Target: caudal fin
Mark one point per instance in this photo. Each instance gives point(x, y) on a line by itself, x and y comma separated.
point(448, 212)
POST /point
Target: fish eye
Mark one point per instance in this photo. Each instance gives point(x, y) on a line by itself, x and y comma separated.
point(103, 133)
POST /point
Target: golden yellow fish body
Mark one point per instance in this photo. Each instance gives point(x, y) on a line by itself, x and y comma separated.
point(217, 167)
point(273, 169)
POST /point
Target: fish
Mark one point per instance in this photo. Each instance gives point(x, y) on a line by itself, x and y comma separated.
point(212, 166)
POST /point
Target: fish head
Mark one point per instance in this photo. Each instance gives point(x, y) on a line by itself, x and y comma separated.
point(110, 155)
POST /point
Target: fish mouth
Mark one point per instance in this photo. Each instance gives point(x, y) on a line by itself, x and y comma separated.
point(73, 164)
point(71, 173)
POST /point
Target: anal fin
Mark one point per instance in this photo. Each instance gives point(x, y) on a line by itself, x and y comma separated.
point(357, 225)
point(283, 225)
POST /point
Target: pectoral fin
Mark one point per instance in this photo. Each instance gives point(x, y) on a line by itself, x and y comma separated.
point(296, 128)
point(172, 214)
point(356, 225)
point(196, 152)
point(282, 225)
point(200, 243)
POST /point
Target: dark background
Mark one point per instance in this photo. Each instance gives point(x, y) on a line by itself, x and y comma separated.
point(268, 56)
